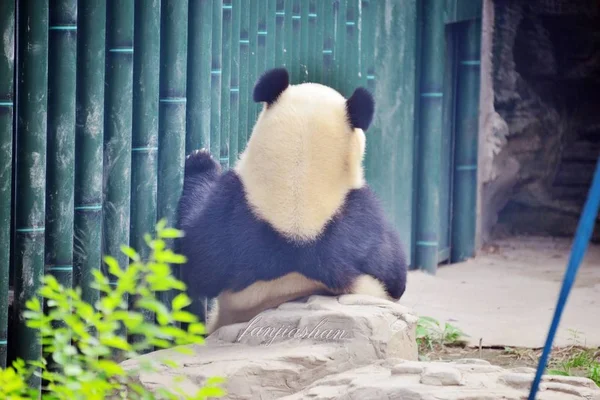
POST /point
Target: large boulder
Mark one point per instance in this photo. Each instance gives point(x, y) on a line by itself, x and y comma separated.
point(284, 350)
point(347, 347)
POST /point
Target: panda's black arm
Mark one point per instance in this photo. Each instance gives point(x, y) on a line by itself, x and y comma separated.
point(382, 252)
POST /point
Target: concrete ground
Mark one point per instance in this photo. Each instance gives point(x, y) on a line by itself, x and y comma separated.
point(506, 295)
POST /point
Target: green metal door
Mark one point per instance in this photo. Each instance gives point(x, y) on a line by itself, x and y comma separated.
point(446, 133)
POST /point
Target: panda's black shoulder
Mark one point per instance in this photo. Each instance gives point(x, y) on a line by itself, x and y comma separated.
point(363, 207)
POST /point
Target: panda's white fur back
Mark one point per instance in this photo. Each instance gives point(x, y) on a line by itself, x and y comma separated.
point(267, 234)
point(301, 161)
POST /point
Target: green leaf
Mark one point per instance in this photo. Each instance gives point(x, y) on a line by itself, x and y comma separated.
point(115, 342)
point(211, 391)
point(215, 380)
point(73, 370)
point(113, 266)
point(168, 256)
point(184, 350)
point(170, 364)
point(34, 304)
point(161, 224)
point(171, 331)
point(184, 316)
point(170, 233)
point(197, 328)
point(131, 253)
point(111, 368)
point(180, 301)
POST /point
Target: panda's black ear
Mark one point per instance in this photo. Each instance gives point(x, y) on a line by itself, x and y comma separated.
point(270, 85)
point(360, 107)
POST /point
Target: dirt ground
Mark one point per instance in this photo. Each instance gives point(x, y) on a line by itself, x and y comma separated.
point(506, 295)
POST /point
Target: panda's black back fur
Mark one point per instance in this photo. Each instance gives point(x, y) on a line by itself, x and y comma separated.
point(227, 247)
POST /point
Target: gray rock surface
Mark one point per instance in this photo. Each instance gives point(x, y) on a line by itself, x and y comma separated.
point(347, 347)
point(539, 140)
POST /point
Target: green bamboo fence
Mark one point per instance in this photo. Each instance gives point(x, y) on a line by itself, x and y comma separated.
point(30, 168)
point(61, 140)
point(245, 83)
point(271, 34)
point(351, 69)
point(328, 42)
point(89, 139)
point(227, 34)
point(118, 128)
point(135, 86)
point(7, 66)
point(199, 76)
point(279, 33)
point(253, 72)
point(172, 111)
point(303, 57)
point(430, 135)
point(367, 79)
point(313, 42)
point(216, 76)
point(234, 88)
point(295, 43)
point(144, 146)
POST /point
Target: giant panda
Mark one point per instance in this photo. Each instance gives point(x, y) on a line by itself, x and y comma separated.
point(294, 217)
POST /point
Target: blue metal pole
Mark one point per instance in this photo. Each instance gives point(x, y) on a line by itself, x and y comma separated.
point(580, 245)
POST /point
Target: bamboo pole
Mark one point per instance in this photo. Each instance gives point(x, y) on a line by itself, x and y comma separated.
point(303, 60)
point(289, 35)
point(226, 82)
point(91, 28)
point(199, 77)
point(172, 111)
point(321, 21)
point(253, 72)
point(430, 136)
point(465, 168)
point(261, 39)
point(7, 70)
point(366, 23)
point(61, 140)
point(364, 33)
point(314, 63)
point(328, 42)
point(144, 150)
point(271, 34)
point(31, 169)
point(296, 43)
point(117, 129)
point(279, 33)
point(198, 88)
point(234, 97)
point(216, 71)
point(351, 61)
point(144, 146)
point(245, 84)
point(339, 52)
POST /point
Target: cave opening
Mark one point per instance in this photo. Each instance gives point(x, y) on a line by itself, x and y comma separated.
point(546, 89)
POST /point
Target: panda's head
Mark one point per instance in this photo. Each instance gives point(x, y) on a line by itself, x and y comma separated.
point(305, 153)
